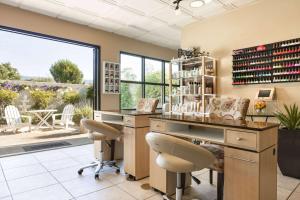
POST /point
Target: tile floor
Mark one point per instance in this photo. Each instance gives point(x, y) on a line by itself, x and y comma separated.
point(52, 175)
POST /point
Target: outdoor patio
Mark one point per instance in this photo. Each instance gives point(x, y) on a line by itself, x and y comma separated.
point(38, 136)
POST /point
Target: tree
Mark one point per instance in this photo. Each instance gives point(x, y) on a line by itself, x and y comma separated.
point(7, 72)
point(129, 92)
point(64, 71)
point(153, 91)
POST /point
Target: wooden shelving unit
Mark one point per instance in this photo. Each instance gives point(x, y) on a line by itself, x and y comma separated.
point(111, 78)
point(270, 63)
point(196, 80)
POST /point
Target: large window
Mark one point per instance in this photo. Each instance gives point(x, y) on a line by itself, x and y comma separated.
point(143, 77)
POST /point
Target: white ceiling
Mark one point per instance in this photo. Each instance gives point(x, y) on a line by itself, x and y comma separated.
point(152, 21)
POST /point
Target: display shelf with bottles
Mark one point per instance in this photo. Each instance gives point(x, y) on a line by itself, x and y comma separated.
point(111, 78)
point(197, 84)
point(270, 63)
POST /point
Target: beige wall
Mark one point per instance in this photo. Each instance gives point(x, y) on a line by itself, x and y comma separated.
point(111, 44)
point(264, 22)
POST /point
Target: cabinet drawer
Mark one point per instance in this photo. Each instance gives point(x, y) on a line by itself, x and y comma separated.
point(241, 139)
point(129, 121)
point(158, 126)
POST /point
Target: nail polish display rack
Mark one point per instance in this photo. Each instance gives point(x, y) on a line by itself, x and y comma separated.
point(270, 63)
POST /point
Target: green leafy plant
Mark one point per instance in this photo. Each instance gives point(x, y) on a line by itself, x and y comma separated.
point(64, 71)
point(90, 92)
point(7, 72)
point(41, 98)
point(82, 112)
point(71, 97)
point(7, 97)
point(290, 119)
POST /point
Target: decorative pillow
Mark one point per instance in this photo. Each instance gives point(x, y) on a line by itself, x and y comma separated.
point(231, 108)
point(147, 105)
point(215, 106)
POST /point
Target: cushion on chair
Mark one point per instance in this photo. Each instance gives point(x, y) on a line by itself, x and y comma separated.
point(218, 152)
point(230, 108)
point(100, 129)
point(174, 164)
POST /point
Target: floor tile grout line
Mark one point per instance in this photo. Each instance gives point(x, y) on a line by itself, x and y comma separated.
point(59, 183)
point(59, 168)
point(298, 185)
point(27, 176)
point(5, 180)
point(33, 189)
point(126, 191)
point(94, 191)
point(47, 171)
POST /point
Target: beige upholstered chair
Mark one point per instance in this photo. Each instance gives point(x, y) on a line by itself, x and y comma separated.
point(228, 108)
point(99, 131)
point(179, 156)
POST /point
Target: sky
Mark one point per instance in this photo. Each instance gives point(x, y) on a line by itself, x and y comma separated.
point(34, 56)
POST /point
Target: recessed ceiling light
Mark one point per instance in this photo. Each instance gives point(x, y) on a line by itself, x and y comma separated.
point(196, 3)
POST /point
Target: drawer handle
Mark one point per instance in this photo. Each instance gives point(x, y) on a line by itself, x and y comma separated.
point(239, 139)
point(157, 125)
point(243, 159)
point(128, 120)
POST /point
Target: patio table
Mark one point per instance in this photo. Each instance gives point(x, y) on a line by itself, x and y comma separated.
point(43, 119)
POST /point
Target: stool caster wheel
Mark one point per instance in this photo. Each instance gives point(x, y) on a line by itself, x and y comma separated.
point(117, 171)
point(96, 176)
point(80, 171)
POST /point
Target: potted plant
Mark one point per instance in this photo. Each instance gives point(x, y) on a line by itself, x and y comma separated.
point(289, 141)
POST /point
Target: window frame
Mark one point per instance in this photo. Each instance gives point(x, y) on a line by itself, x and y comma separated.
point(163, 84)
point(96, 58)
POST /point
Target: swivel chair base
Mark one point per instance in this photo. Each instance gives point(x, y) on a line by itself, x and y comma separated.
point(100, 164)
point(180, 187)
point(99, 167)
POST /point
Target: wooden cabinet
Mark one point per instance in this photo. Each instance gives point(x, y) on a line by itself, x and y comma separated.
point(250, 175)
point(241, 139)
point(136, 121)
point(250, 162)
point(157, 126)
point(136, 152)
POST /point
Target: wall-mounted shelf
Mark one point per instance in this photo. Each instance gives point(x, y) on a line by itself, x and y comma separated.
point(270, 63)
point(197, 84)
point(111, 78)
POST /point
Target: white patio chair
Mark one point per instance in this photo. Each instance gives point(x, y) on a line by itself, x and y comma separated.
point(14, 119)
point(66, 117)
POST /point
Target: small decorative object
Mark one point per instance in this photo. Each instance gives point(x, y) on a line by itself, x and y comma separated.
point(260, 106)
point(191, 53)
